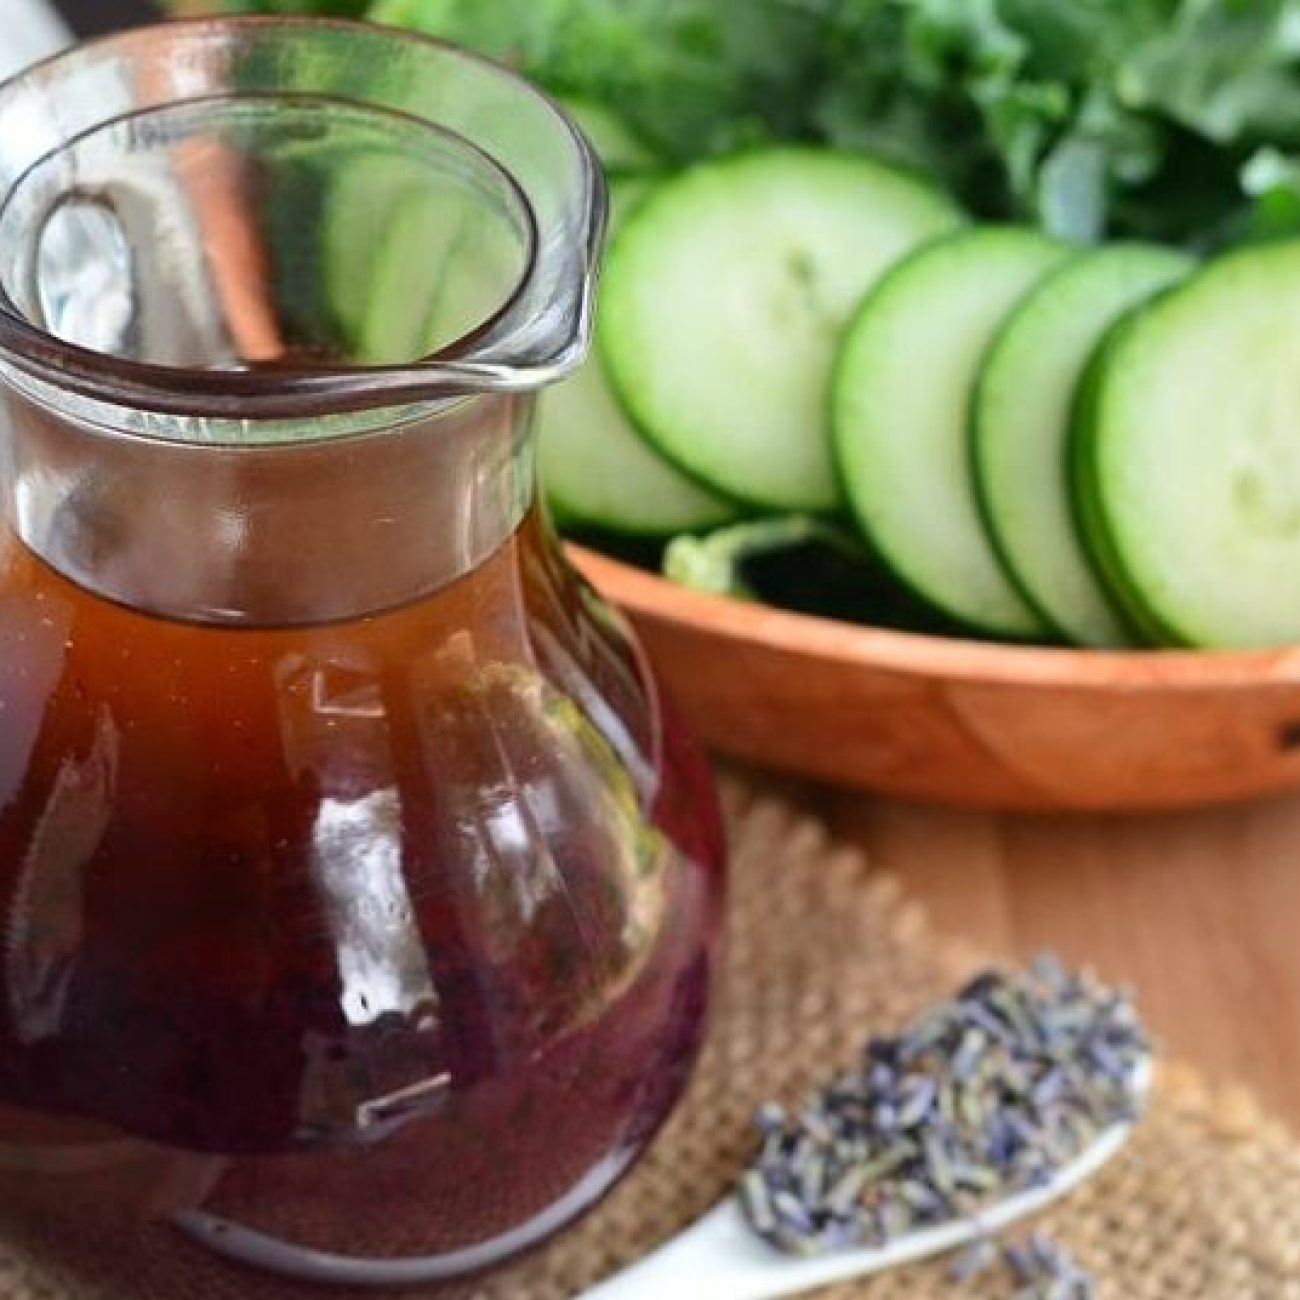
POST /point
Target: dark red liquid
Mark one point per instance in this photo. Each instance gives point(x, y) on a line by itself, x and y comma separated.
point(387, 938)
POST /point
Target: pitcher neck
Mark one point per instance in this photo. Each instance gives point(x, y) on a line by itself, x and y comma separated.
point(269, 535)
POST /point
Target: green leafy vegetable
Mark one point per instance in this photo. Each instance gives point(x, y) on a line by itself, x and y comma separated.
point(800, 563)
point(715, 563)
point(1273, 179)
point(696, 77)
point(1092, 117)
point(1128, 117)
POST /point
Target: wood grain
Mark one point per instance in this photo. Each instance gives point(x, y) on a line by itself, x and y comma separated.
point(1199, 911)
point(968, 723)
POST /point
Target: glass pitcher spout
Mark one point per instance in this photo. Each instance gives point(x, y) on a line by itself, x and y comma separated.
point(271, 240)
point(271, 220)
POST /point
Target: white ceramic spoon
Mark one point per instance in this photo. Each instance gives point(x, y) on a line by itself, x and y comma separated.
point(721, 1258)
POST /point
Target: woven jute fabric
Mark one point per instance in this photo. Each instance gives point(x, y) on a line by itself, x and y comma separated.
point(1204, 1205)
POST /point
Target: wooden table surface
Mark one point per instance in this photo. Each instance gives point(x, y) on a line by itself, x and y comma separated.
point(1200, 912)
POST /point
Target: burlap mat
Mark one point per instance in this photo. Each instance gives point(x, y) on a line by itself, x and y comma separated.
point(1204, 1206)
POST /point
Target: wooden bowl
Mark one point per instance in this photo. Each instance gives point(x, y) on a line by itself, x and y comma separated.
point(962, 722)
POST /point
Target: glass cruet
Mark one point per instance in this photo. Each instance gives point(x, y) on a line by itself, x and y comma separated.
point(359, 894)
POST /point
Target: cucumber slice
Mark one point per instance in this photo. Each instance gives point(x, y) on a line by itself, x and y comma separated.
point(901, 410)
point(617, 145)
point(1023, 407)
point(445, 261)
point(724, 298)
point(361, 204)
point(415, 250)
point(1087, 512)
point(1188, 455)
point(596, 469)
point(598, 472)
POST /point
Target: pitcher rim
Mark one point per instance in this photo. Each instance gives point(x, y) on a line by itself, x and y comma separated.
point(455, 370)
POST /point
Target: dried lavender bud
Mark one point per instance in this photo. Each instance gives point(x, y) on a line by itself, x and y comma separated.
point(986, 1096)
point(1047, 1272)
point(976, 1260)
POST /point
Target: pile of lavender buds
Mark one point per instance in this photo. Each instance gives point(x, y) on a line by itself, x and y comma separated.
point(1042, 1270)
point(986, 1096)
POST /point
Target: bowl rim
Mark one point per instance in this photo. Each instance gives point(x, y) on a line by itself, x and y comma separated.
point(649, 596)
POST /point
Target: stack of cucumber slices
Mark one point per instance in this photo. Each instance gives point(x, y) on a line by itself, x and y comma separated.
point(1034, 442)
